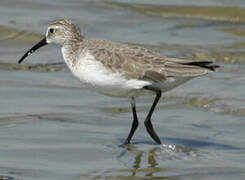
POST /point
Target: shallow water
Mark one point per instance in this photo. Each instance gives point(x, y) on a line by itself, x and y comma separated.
point(51, 127)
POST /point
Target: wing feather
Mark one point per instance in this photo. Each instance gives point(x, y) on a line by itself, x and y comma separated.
point(140, 63)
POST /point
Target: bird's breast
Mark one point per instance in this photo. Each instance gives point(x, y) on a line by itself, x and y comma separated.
point(100, 78)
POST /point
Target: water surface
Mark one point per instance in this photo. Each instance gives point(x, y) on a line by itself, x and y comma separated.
point(52, 127)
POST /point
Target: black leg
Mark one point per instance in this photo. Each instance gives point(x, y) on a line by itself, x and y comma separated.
point(148, 123)
point(135, 122)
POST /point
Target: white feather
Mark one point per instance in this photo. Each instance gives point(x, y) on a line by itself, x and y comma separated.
point(96, 76)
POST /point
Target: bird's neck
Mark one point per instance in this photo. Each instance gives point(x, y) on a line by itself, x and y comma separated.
point(70, 52)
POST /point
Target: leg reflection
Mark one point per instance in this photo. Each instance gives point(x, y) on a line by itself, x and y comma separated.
point(145, 164)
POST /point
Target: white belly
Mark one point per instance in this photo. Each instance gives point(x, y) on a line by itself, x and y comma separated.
point(96, 76)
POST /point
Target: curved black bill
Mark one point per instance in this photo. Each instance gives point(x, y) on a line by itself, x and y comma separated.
point(43, 42)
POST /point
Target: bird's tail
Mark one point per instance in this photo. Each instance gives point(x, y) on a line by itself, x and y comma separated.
point(204, 64)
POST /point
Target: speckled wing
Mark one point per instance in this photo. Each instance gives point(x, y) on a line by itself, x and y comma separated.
point(140, 63)
point(131, 63)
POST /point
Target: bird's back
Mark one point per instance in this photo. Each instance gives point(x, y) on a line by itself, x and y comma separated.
point(141, 63)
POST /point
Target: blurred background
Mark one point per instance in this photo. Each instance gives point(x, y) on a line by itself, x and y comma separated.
point(51, 127)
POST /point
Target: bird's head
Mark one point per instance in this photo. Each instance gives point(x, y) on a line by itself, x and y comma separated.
point(59, 32)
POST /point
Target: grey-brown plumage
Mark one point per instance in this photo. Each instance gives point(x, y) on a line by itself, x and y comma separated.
point(140, 63)
point(133, 61)
point(120, 70)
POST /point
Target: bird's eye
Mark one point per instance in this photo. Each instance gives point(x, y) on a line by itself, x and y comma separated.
point(51, 30)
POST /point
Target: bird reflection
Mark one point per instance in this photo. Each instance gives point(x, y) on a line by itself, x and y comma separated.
point(143, 166)
point(139, 169)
